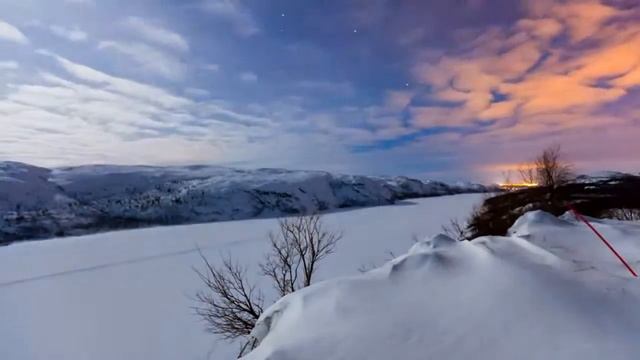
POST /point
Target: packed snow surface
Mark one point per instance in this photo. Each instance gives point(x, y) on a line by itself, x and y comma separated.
point(37, 202)
point(550, 290)
point(127, 295)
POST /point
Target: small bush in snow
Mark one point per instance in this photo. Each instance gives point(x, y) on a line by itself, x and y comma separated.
point(457, 230)
point(231, 305)
point(623, 214)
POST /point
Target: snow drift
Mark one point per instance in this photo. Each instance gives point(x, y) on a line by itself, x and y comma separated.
point(37, 202)
point(550, 290)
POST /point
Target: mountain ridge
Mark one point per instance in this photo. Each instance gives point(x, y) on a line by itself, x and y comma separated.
point(37, 202)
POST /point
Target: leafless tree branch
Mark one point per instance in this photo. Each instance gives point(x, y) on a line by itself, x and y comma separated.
point(551, 169)
point(301, 244)
point(527, 173)
point(230, 306)
point(456, 230)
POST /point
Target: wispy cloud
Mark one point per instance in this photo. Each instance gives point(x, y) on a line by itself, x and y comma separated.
point(211, 67)
point(149, 59)
point(72, 34)
point(9, 32)
point(86, 115)
point(248, 77)
point(119, 85)
point(9, 65)
point(235, 13)
point(157, 34)
point(196, 92)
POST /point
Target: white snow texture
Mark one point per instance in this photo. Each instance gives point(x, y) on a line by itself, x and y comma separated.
point(551, 290)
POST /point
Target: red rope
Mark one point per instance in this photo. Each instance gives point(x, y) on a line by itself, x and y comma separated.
point(584, 220)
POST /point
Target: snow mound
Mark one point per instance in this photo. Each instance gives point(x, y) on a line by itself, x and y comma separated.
point(527, 296)
point(534, 218)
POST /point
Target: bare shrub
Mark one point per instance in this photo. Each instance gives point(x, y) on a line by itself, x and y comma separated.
point(528, 173)
point(296, 251)
point(372, 265)
point(477, 223)
point(230, 305)
point(457, 230)
point(551, 168)
point(506, 177)
point(623, 214)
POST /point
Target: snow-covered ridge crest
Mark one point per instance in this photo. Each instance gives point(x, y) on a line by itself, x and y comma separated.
point(37, 202)
point(548, 291)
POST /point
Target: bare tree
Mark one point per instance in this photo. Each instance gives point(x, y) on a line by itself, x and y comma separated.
point(296, 251)
point(231, 306)
point(528, 173)
point(506, 177)
point(551, 168)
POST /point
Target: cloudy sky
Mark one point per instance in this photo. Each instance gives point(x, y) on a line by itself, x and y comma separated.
point(448, 89)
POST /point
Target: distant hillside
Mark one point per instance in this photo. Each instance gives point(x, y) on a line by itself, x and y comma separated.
point(38, 203)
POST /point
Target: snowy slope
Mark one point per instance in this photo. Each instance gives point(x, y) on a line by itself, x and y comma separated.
point(601, 176)
point(128, 294)
point(40, 203)
point(26, 187)
point(549, 291)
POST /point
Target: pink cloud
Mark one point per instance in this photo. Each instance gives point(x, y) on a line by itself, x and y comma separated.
point(557, 71)
point(504, 59)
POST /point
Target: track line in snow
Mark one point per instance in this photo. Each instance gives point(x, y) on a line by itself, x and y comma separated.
point(100, 267)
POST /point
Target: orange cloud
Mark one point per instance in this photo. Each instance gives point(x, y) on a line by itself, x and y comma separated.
point(615, 60)
point(629, 80)
point(557, 93)
point(535, 73)
point(499, 110)
point(584, 18)
point(543, 28)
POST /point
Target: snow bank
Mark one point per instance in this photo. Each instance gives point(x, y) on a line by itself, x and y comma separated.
point(548, 291)
point(39, 203)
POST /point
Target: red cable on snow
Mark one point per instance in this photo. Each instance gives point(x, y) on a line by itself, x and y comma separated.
point(584, 220)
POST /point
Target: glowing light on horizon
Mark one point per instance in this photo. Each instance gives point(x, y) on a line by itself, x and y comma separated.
point(516, 186)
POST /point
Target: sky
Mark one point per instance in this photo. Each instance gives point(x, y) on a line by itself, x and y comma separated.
point(443, 89)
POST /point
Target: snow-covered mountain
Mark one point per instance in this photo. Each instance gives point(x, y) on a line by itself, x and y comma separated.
point(597, 176)
point(36, 202)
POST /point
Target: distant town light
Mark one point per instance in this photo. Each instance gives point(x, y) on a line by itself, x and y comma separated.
point(516, 186)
